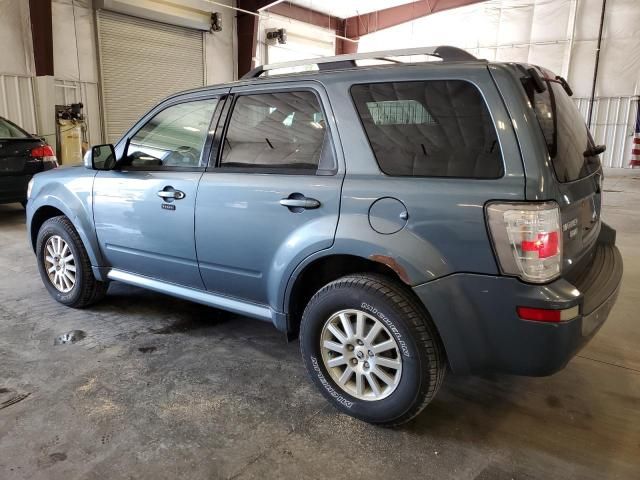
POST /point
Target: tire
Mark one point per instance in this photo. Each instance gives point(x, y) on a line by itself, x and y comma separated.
point(418, 358)
point(85, 289)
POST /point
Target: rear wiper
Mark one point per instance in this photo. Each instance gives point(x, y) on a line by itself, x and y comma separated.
point(595, 150)
point(565, 86)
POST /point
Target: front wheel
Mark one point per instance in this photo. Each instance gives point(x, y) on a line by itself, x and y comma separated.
point(371, 349)
point(64, 265)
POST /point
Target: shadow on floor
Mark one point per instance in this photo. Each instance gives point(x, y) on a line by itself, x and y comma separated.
point(11, 214)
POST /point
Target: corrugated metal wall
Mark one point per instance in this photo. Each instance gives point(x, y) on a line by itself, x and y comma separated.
point(613, 124)
point(16, 101)
point(142, 62)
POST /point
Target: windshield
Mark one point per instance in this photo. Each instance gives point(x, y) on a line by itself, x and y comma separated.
point(9, 130)
point(568, 139)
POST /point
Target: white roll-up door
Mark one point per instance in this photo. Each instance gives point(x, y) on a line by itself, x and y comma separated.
point(141, 62)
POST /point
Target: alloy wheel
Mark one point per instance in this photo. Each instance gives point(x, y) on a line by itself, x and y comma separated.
point(60, 264)
point(361, 355)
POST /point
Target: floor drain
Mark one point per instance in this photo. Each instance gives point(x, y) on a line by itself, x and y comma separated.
point(70, 337)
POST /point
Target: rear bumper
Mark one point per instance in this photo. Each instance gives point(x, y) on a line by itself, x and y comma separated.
point(477, 321)
point(14, 188)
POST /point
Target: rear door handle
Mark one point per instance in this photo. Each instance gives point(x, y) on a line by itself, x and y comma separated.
point(298, 201)
point(171, 193)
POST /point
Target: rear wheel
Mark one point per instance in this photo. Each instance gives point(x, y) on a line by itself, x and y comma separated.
point(371, 349)
point(64, 265)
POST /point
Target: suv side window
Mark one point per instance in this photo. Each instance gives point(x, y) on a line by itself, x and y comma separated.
point(173, 138)
point(435, 128)
point(283, 132)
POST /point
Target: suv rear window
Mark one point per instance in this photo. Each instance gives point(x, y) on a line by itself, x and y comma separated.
point(568, 139)
point(435, 128)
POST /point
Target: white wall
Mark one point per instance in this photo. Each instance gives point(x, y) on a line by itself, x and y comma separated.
point(221, 59)
point(303, 41)
point(15, 38)
point(75, 61)
point(558, 34)
point(16, 64)
point(76, 58)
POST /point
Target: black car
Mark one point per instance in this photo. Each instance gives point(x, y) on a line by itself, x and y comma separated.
point(22, 155)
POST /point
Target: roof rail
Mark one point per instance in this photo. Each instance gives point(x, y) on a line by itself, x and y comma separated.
point(445, 52)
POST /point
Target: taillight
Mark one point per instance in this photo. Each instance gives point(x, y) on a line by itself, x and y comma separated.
point(547, 315)
point(527, 239)
point(48, 156)
point(43, 151)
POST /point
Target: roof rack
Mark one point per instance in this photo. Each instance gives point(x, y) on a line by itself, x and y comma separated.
point(444, 52)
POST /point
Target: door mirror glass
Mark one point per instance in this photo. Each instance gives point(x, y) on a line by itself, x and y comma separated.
point(101, 157)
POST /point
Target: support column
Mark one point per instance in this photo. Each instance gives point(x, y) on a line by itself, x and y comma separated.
point(44, 84)
point(247, 27)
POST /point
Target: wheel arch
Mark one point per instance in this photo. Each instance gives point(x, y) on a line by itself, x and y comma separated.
point(40, 216)
point(328, 268)
point(54, 208)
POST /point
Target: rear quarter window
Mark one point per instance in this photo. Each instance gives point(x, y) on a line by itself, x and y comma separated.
point(10, 130)
point(434, 128)
point(568, 139)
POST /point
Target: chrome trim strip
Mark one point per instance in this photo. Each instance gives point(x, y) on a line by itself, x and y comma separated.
point(260, 312)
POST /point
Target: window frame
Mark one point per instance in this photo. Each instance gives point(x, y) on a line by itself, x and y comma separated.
point(225, 121)
point(425, 80)
point(206, 146)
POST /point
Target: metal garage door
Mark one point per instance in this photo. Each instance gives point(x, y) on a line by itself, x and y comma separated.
point(141, 62)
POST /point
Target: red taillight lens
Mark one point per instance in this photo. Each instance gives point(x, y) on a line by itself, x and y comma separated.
point(546, 244)
point(547, 315)
point(47, 155)
point(527, 238)
point(43, 151)
point(539, 314)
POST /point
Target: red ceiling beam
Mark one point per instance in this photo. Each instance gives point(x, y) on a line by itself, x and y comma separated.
point(306, 15)
point(359, 25)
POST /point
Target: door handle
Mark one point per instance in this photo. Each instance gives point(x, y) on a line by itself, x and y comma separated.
point(171, 193)
point(296, 202)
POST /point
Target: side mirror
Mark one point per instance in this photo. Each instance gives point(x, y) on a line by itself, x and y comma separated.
point(100, 157)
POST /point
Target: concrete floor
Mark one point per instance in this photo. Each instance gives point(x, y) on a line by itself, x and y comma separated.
point(162, 388)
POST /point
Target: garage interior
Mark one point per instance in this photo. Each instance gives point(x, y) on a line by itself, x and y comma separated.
point(156, 387)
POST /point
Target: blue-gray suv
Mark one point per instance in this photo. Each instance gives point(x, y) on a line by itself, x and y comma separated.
point(402, 219)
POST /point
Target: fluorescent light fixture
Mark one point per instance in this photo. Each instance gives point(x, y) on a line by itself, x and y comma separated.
point(192, 129)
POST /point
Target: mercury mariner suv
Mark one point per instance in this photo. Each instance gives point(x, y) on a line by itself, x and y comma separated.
point(401, 219)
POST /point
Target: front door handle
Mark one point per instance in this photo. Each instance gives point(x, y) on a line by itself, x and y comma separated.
point(296, 202)
point(169, 193)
